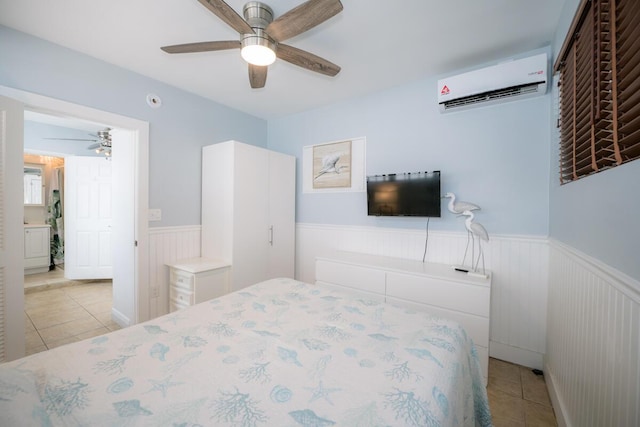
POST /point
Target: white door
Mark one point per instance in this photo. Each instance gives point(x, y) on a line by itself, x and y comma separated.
point(11, 230)
point(88, 218)
point(282, 215)
point(250, 216)
point(125, 255)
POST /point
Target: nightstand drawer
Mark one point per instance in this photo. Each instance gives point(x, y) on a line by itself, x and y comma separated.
point(181, 279)
point(181, 296)
point(176, 305)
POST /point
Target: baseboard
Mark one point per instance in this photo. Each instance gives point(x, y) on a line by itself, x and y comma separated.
point(556, 401)
point(122, 320)
point(516, 355)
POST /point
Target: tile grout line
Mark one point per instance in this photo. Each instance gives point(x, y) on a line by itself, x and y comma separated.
point(36, 329)
point(77, 301)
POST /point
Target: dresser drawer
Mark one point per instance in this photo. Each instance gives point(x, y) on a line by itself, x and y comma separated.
point(477, 327)
point(351, 276)
point(431, 287)
point(455, 296)
point(181, 279)
point(365, 295)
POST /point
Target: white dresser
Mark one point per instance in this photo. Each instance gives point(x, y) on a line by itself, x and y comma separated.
point(36, 248)
point(195, 280)
point(437, 288)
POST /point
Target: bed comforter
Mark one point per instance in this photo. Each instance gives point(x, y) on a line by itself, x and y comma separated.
point(279, 353)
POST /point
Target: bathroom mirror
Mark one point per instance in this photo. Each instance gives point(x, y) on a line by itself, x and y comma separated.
point(33, 185)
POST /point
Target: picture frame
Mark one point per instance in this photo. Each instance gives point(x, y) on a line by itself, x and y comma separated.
point(336, 166)
point(332, 165)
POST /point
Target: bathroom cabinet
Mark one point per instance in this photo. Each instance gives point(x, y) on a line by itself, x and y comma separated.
point(36, 249)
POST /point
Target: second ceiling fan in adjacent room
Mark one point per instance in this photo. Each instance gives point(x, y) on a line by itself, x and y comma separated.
point(102, 143)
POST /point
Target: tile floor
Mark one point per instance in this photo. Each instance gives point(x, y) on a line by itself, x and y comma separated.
point(59, 312)
point(518, 397)
point(49, 280)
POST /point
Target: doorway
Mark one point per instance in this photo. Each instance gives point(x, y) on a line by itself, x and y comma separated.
point(68, 227)
point(131, 289)
point(43, 217)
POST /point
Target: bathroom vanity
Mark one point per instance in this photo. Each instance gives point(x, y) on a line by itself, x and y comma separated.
point(36, 248)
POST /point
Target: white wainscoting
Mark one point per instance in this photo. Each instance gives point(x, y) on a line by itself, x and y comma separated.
point(168, 244)
point(592, 345)
point(519, 266)
point(592, 365)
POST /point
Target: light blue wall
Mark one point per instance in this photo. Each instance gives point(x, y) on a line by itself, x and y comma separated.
point(178, 130)
point(495, 156)
point(597, 215)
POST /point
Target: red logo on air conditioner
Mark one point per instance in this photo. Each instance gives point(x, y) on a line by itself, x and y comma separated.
point(445, 90)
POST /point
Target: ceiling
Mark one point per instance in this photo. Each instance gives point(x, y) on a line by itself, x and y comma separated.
point(377, 46)
point(65, 122)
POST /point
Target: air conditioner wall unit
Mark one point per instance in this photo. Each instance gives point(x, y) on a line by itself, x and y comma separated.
point(516, 79)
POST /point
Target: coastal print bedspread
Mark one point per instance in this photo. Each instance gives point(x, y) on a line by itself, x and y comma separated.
point(278, 353)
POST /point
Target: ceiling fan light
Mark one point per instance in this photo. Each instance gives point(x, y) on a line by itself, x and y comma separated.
point(258, 55)
point(258, 48)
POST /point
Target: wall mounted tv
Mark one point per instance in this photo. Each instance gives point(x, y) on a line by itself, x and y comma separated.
point(407, 194)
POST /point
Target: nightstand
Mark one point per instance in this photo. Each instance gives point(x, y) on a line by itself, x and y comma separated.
point(192, 281)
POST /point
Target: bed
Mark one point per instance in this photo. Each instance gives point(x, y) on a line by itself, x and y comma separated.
point(278, 353)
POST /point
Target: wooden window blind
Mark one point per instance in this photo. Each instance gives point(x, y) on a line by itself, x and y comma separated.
point(599, 88)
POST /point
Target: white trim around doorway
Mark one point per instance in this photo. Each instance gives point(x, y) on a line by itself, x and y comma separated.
point(52, 106)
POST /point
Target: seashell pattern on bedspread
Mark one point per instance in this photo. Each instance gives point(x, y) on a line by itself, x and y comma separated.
point(280, 352)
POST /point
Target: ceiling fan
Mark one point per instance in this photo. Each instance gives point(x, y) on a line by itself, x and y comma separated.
point(102, 143)
point(261, 37)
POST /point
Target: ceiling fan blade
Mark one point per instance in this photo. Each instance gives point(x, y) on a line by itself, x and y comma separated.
point(302, 18)
point(257, 76)
point(307, 60)
point(71, 139)
point(228, 15)
point(202, 46)
point(94, 146)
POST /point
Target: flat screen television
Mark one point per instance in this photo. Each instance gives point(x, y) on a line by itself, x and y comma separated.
point(407, 194)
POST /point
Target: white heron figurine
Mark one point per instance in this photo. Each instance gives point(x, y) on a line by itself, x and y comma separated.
point(329, 164)
point(458, 207)
point(476, 229)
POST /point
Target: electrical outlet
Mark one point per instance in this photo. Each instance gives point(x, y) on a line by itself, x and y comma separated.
point(155, 292)
point(155, 214)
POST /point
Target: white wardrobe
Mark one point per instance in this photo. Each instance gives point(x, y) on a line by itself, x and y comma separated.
point(248, 211)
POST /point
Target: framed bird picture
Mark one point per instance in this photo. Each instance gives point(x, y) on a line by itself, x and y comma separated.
point(336, 166)
point(332, 165)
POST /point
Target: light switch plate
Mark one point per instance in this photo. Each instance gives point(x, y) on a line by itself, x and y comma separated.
point(155, 214)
